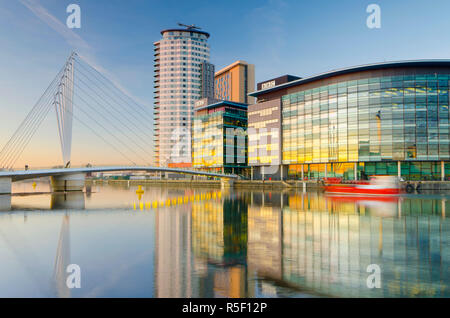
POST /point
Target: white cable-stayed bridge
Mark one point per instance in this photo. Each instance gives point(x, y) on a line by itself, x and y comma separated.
point(81, 93)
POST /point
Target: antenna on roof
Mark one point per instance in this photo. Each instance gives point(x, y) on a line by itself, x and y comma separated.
point(189, 27)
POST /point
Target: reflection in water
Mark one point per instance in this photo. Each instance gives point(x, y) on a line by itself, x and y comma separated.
point(237, 244)
point(62, 259)
point(219, 231)
point(329, 243)
point(67, 201)
point(5, 202)
point(173, 272)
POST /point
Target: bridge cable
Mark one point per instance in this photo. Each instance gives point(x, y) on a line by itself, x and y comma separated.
point(123, 112)
point(145, 110)
point(137, 118)
point(33, 120)
point(112, 114)
point(104, 128)
point(26, 122)
point(30, 129)
point(60, 90)
point(114, 136)
point(30, 135)
point(87, 126)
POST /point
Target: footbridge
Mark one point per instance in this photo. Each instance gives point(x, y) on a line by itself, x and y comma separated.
point(81, 92)
point(73, 179)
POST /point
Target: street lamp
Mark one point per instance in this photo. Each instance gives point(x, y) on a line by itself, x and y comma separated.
point(378, 116)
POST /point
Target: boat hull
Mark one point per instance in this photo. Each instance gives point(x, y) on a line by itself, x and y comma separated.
point(364, 190)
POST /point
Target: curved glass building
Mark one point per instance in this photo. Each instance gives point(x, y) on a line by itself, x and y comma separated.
point(380, 119)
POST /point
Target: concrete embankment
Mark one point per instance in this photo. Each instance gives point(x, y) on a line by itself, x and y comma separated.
point(258, 184)
point(244, 184)
point(171, 183)
point(428, 185)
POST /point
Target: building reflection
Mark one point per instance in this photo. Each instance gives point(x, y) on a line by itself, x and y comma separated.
point(253, 244)
point(173, 265)
point(329, 242)
point(219, 244)
point(278, 244)
point(265, 236)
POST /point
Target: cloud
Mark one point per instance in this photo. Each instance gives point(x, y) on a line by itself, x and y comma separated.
point(69, 35)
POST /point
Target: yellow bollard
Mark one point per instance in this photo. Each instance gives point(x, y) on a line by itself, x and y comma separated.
point(186, 200)
point(203, 196)
point(34, 185)
point(168, 202)
point(139, 192)
point(155, 204)
point(174, 201)
point(192, 198)
point(134, 206)
point(147, 205)
point(214, 195)
point(208, 196)
point(197, 197)
point(141, 206)
point(180, 200)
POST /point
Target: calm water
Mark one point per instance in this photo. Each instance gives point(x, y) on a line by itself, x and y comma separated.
point(174, 242)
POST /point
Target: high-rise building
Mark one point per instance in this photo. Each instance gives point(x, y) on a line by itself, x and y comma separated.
point(207, 80)
point(234, 82)
point(179, 58)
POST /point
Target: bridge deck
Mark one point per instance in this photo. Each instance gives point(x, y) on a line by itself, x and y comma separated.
point(31, 174)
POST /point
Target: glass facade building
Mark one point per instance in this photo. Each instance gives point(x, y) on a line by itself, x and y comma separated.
point(219, 137)
point(368, 120)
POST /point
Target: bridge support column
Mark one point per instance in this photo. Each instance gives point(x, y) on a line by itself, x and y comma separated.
point(5, 185)
point(70, 182)
point(226, 183)
point(5, 202)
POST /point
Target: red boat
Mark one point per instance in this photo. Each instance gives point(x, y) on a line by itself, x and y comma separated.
point(379, 185)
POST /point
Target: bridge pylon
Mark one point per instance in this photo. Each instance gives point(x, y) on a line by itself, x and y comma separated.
point(63, 103)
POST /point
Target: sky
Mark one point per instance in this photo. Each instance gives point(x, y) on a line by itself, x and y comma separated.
point(294, 37)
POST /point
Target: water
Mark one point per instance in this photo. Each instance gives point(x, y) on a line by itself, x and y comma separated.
point(212, 243)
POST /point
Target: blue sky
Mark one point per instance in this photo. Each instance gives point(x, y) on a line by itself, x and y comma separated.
point(278, 36)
